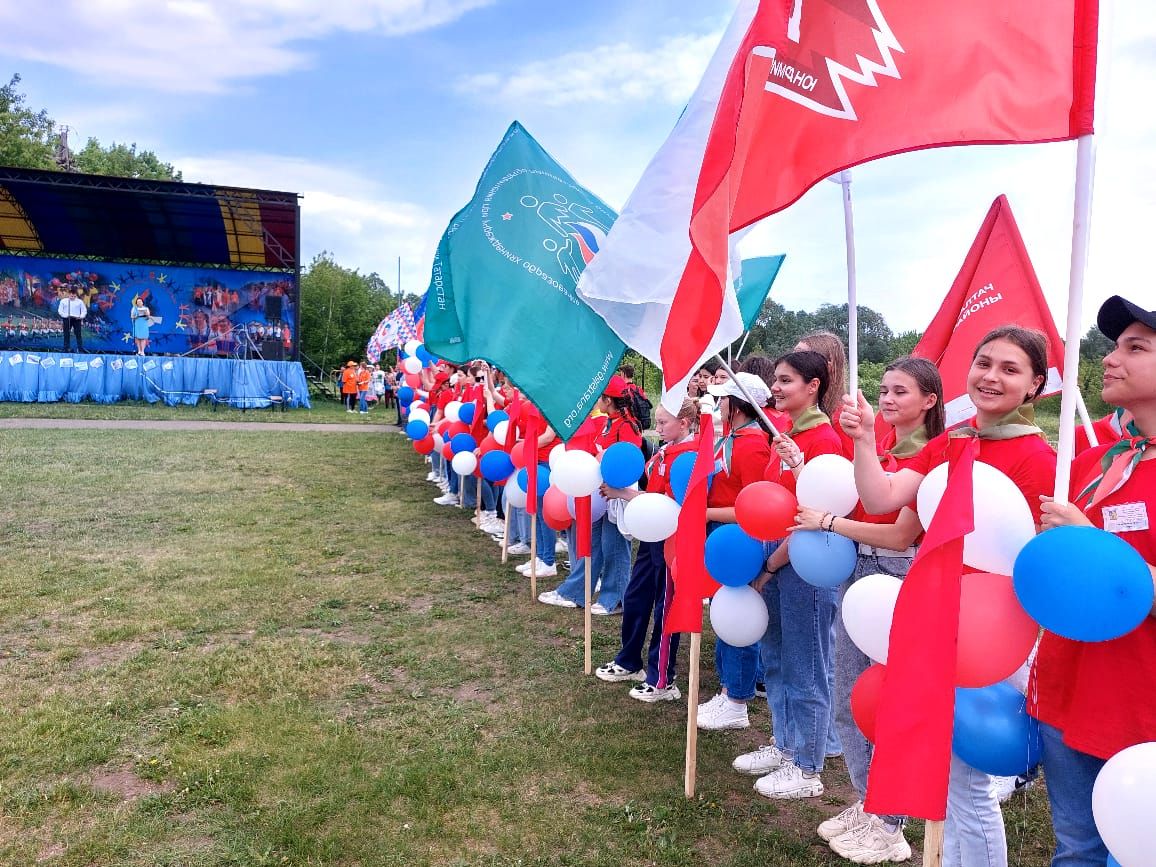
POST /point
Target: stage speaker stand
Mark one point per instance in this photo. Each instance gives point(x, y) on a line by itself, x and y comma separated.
point(272, 350)
point(272, 308)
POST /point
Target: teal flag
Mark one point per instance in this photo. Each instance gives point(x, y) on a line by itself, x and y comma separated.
point(504, 283)
point(758, 275)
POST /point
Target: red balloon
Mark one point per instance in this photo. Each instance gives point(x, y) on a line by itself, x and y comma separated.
point(413, 380)
point(425, 446)
point(766, 510)
point(995, 633)
point(442, 426)
point(456, 428)
point(488, 445)
point(554, 510)
point(865, 699)
point(517, 457)
point(447, 452)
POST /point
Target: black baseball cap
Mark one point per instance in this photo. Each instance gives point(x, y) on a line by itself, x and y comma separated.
point(1117, 314)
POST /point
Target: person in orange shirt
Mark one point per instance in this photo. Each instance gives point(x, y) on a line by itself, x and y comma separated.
point(364, 377)
point(349, 385)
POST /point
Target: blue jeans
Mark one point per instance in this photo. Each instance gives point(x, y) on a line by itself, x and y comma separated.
point(514, 522)
point(546, 536)
point(644, 602)
point(471, 494)
point(609, 560)
point(798, 656)
point(1070, 775)
point(362, 406)
point(973, 835)
point(850, 662)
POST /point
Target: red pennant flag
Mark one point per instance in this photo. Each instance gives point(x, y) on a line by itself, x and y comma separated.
point(692, 583)
point(532, 430)
point(996, 285)
point(817, 86)
point(583, 439)
point(909, 770)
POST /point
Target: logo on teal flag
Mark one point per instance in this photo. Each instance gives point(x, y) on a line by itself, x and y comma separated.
point(505, 277)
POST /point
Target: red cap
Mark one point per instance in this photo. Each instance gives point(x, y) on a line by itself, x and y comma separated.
point(615, 387)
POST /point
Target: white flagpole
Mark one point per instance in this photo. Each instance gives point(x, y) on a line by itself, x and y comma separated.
point(1081, 230)
point(852, 288)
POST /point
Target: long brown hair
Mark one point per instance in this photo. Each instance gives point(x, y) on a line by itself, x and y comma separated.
point(830, 346)
point(928, 380)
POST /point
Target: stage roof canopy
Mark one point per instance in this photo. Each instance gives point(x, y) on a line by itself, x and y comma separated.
point(93, 216)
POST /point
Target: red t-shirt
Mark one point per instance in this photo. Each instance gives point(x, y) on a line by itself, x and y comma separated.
point(845, 442)
point(1100, 694)
point(1028, 461)
point(1107, 431)
point(617, 429)
point(749, 458)
point(819, 440)
point(861, 514)
point(658, 467)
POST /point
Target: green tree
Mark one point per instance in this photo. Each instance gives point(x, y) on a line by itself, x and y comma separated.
point(123, 161)
point(340, 308)
point(27, 137)
point(904, 343)
point(1095, 345)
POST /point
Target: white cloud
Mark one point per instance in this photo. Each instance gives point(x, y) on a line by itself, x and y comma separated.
point(618, 73)
point(202, 45)
point(349, 215)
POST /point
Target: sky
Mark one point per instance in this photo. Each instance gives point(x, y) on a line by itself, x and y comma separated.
point(382, 114)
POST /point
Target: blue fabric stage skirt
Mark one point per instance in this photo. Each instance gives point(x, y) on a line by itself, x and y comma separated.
point(48, 377)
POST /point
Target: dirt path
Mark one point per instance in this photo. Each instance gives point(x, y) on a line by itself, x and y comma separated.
point(145, 424)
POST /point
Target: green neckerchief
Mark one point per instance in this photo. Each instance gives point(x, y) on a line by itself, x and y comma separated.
point(727, 445)
point(1020, 422)
point(910, 445)
point(810, 417)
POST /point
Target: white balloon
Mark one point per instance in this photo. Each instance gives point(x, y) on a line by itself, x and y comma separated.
point(452, 410)
point(1122, 799)
point(576, 474)
point(500, 431)
point(651, 517)
point(868, 607)
point(419, 415)
point(464, 463)
point(827, 483)
point(439, 442)
point(556, 453)
point(515, 496)
point(738, 615)
point(1003, 520)
point(411, 346)
point(411, 365)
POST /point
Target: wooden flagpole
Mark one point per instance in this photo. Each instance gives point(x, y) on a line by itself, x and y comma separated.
point(506, 535)
point(692, 716)
point(588, 626)
point(933, 844)
point(461, 490)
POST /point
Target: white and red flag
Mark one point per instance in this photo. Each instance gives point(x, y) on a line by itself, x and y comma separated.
point(997, 285)
point(801, 89)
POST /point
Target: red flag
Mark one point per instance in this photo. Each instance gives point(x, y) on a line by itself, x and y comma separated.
point(583, 440)
point(996, 285)
point(532, 430)
point(692, 583)
point(817, 86)
point(909, 770)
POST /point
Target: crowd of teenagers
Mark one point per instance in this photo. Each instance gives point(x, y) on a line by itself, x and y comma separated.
point(1092, 700)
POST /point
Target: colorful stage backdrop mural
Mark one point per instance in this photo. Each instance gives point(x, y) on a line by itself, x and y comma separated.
point(197, 311)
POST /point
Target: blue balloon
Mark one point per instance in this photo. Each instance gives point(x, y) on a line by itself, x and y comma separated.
point(622, 465)
point(1112, 862)
point(680, 471)
point(463, 442)
point(732, 557)
point(993, 732)
point(493, 418)
point(424, 355)
point(821, 558)
point(543, 478)
point(417, 430)
point(405, 395)
point(1083, 583)
point(466, 413)
point(496, 466)
point(598, 506)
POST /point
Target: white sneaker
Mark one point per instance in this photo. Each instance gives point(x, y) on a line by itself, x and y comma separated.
point(518, 548)
point(1003, 787)
point(788, 782)
point(848, 820)
point(612, 672)
point(446, 499)
point(494, 527)
point(707, 708)
point(602, 611)
point(431, 477)
point(646, 692)
point(730, 715)
point(762, 761)
point(872, 843)
point(560, 546)
point(524, 568)
point(553, 597)
point(543, 571)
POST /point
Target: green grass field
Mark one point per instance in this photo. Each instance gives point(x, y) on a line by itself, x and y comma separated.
point(271, 648)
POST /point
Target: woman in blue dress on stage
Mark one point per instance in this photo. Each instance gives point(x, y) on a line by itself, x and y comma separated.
point(140, 324)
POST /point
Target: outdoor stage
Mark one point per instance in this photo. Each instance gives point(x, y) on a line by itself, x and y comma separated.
point(48, 377)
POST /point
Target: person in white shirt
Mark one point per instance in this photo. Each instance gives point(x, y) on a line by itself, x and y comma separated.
point(72, 311)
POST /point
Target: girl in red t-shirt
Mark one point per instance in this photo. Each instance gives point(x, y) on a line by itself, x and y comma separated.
point(1008, 371)
point(1095, 699)
point(911, 402)
point(830, 346)
point(647, 590)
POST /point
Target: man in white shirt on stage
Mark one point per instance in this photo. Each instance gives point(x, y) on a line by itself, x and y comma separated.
point(72, 310)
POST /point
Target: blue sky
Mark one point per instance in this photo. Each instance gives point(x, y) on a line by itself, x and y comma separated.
point(382, 114)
